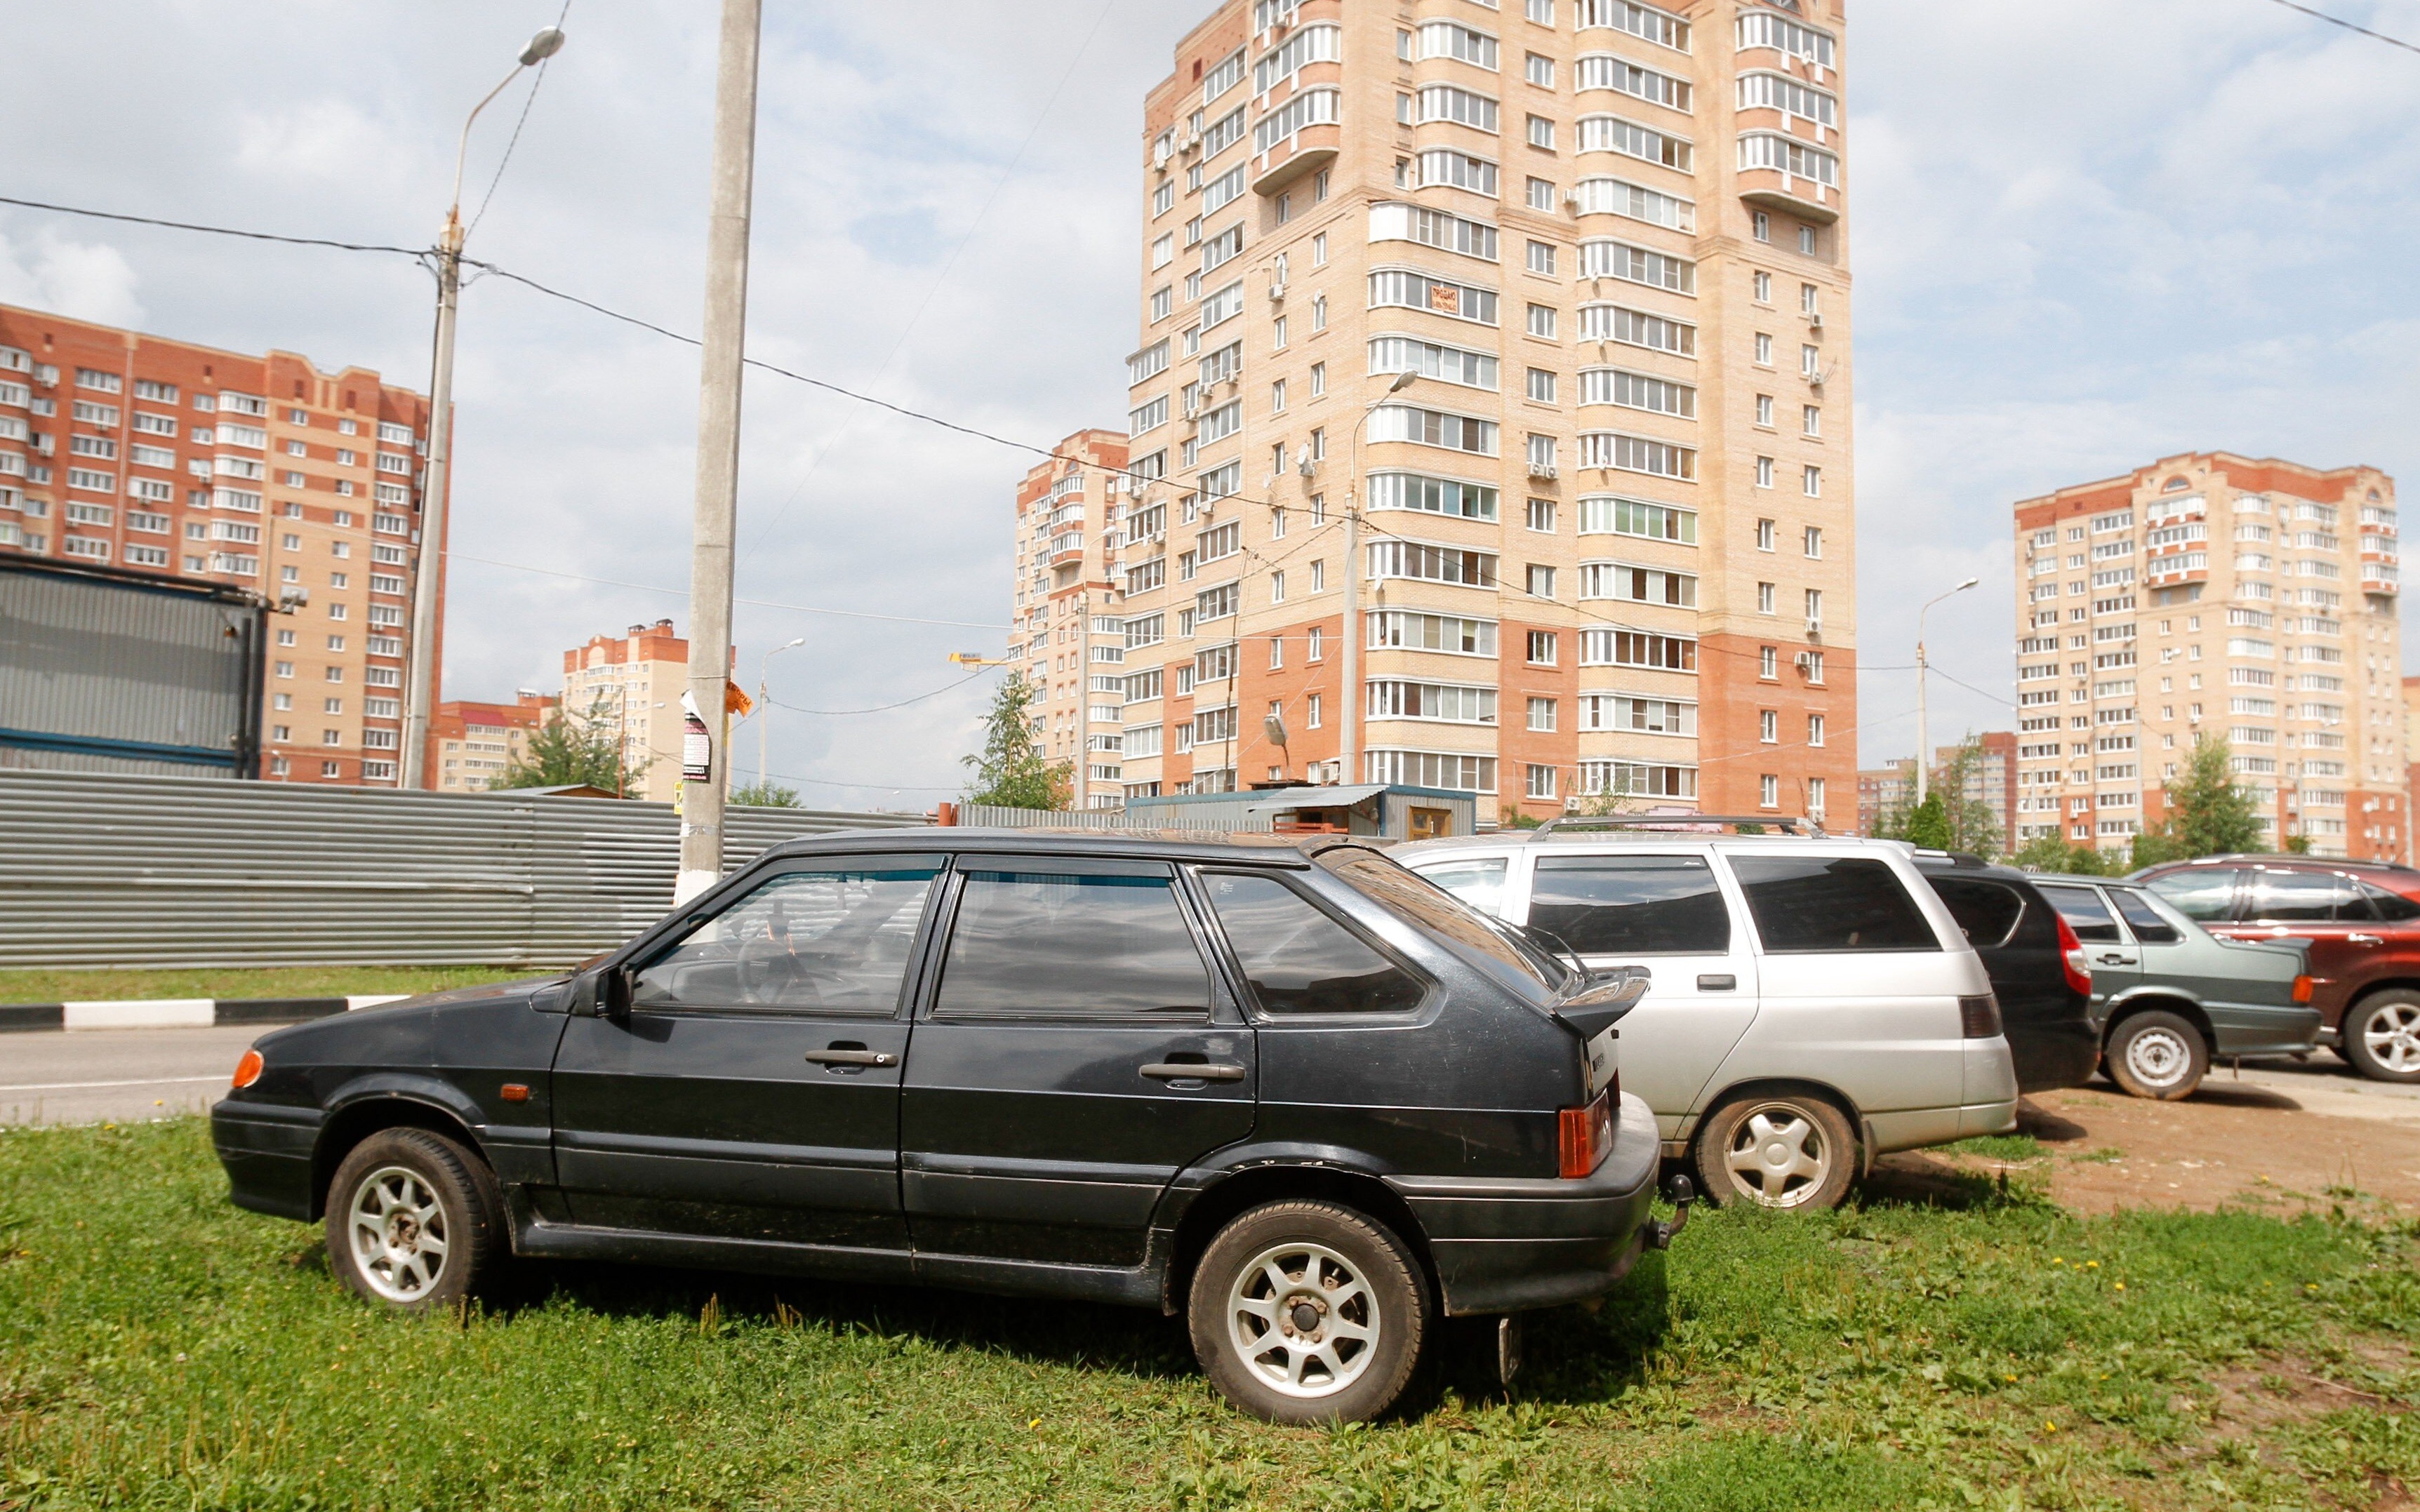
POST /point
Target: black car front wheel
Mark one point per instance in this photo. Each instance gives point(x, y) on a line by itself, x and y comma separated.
point(1308, 1312)
point(414, 1221)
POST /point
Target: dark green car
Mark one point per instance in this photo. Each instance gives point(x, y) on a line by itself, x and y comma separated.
point(2168, 996)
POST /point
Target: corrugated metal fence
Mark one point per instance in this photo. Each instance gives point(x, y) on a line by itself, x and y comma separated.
point(106, 870)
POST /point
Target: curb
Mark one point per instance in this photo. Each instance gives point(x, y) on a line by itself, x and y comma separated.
point(181, 1013)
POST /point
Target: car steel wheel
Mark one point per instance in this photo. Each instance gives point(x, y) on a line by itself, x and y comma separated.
point(2159, 1057)
point(2392, 1036)
point(1778, 1156)
point(1303, 1320)
point(397, 1227)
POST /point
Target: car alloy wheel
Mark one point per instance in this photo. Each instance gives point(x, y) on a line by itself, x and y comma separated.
point(1303, 1320)
point(2383, 1037)
point(397, 1225)
point(1778, 1156)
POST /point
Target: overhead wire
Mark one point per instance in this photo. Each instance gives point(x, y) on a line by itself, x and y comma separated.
point(522, 119)
point(751, 603)
point(2339, 21)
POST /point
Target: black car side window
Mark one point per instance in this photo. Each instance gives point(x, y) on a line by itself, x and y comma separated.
point(1816, 905)
point(1296, 958)
point(1631, 905)
point(1986, 912)
point(2085, 913)
point(829, 942)
point(2144, 920)
point(1083, 942)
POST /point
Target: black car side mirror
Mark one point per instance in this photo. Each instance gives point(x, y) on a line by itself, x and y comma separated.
point(614, 993)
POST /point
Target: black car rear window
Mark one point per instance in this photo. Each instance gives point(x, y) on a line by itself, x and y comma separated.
point(1296, 958)
point(1986, 911)
point(1431, 908)
point(1631, 905)
point(1819, 905)
point(2085, 913)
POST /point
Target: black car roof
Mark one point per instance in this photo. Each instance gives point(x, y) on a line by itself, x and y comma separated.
point(1964, 865)
point(1155, 845)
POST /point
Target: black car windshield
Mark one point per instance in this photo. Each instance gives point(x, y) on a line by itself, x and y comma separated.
point(1413, 897)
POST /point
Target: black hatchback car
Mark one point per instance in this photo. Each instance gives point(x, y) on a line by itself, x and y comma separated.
point(2036, 963)
point(1288, 1089)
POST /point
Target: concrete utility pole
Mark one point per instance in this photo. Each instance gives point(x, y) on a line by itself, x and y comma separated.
point(1923, 739)
point(421, 670)
point(718, 437)
point(1346, 741)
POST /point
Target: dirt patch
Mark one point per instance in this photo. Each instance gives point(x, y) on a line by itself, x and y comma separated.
point(2229, 1145)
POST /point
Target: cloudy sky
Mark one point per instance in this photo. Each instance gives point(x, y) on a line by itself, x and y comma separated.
point(2085, 235)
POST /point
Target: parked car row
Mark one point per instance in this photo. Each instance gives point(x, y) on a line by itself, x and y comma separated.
point(1313, 1097)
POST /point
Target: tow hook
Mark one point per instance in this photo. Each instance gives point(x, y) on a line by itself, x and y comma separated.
point(1682, 1192)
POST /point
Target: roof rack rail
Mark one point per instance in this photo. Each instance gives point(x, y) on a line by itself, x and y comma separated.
point(1805, 827)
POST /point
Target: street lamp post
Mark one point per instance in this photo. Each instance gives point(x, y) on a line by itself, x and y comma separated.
point(421, 670)
point(1347, 743)
point(765, 712)
point(1923, 735)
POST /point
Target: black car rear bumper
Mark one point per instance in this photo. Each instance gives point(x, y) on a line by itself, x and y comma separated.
point(267, 1150)
point(1509, 1246)
point(2049, 1056)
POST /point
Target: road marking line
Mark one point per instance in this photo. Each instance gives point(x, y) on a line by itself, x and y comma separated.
point(69, 1086)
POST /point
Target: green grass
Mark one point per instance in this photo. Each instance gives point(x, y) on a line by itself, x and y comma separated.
point(2011, 1147)
point(54, 986)
point(160, 1348)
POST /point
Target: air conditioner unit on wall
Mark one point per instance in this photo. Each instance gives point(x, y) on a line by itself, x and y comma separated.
point(1542, 470)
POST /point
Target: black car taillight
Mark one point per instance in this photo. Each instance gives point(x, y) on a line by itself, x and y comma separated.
point(1587, 1136)
point(1979, 1017)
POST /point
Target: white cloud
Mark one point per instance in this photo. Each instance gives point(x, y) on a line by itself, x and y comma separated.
point(89, 281)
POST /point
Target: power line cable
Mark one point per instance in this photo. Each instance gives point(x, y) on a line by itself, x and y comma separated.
point(753, 603)
point(2339, 21)
point(883, 708)
point(212, 230)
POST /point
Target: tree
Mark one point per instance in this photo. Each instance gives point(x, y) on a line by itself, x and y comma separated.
point(1927, 824)
point(1951, 817)
point(2298, 844)
point(763, 794)
point(1010, 773)
point(575, 749)
point(2209, 813)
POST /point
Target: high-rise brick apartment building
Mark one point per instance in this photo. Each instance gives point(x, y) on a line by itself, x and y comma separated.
point(632, 685)
point(2210, 594)
point(1604, 535)
point(471, 743)
point(166, 457)
point(1068, 602)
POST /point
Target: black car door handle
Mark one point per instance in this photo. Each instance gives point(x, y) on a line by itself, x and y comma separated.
point(852, 1057)
point(1177, 1071)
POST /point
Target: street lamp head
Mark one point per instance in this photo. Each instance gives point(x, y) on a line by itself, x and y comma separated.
point(1403, 379)
point(1968, 583)
point(543, 46)
point(799, 642)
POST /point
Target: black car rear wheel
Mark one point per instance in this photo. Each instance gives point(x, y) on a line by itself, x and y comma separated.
point(2380, 1036)
point(2157, 1054)
point(414, 1221)
point(1308, 1312)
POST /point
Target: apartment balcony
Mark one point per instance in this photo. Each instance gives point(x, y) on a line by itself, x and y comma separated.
point(2175, 568)
point(1775, 189)
point(1306, 151)
point(2380, 577)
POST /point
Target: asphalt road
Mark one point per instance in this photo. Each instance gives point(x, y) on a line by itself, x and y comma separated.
point(124, 1074)
point(117, 1076)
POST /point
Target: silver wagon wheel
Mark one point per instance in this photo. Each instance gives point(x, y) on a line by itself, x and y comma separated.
point(399, 1233)
point(1778, 1156)
point(1303, 1320)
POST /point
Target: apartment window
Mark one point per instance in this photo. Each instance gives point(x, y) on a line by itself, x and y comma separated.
point(1768, 726)
point(1811, 419)
point(1768, 792)
point(1814, 730)
point(1538, 781)
point(1810, 482)
point(1163, 199)
point(1810, 361)
point(1541, 516)
point(1764, 410)
point(1278, 334)
point(1318, 379)
point(1541, 714)
point(1764, 528)
point(1541, 582)
point(1319, 250)
point(1542, 257)
point(1763, 350)
point(1539, 70)
point(1541, 322)
point(1814, 606)
point(1814, 541)
point(1318, 453)
point(1319, 312)
point(1766, 598)
point(1763, 284)
point(1768, 662)
point(1163, 302)
point(1318, 584)
point(1542, 648)
point(1761, 227)
point(1764, 476)
point(1541, 452)
point(1277, 407)
point(1542, 12)
point(1541, 385)
point(1542, 195)
point(1315, 640)
point(1807, 232)
point(1277, 595)
point(1542, 133)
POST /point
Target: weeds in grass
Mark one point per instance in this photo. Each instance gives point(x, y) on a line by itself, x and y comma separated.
point(1957, 1349)
point(2012, 1148)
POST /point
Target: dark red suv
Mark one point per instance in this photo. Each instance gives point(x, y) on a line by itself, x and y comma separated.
point(2363, 921)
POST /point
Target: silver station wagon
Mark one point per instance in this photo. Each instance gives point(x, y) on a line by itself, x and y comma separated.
point(1813, 1003)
